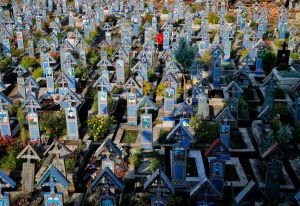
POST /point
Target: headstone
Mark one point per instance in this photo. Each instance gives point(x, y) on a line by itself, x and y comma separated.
point(131, 109)
point(5, 130)
point(120, 71)
point(169, 99)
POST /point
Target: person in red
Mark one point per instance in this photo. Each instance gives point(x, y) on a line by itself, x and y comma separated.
point(160, 40)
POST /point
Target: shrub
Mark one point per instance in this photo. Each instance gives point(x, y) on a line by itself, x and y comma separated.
point(9, 161)
point(205, 131)
point(70, 165)
point(294, 56)
point(4, 64)
point(268, 61)
point(278, 43)
point(252, 25)
point(213, 18)
point(37, 73)
point(197, 21)
point(160, 89)
point(206, 59)
point(136, 158)
point(165, 11)
point(230, 19)
point(154, 164)
point(130, 136)
point(99, 126)
point(147, 87)
point(53, 124)
point(28, 61)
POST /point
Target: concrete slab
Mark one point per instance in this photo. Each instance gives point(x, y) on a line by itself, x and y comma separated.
point(295, 163)
point(199, 164)
point(247, 141)
point(287, 181)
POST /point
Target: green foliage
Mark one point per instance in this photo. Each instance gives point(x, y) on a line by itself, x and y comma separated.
point(268, 61)
point(95, 103)
point(20, 117)
point(92, 36)
point(81, 72)
point(95, 58)
point(154, 164)
point(294, 56)
point(136, 158)
point(206, 59)
point(24, 136)
point(28, 61)
point(53, 124)
point(142, 199)
point(252, 25)
point(278, 43)
point(117, 90)
point(245, 53)
point(205, 131)
point(70, 165)
point(110, 51)
point(197, 21)
point(160, 89)
point(179, 91)
point(147, 87)
point(213, 18)
point(148, 18)
point(281, 109)
point(151, 75)
point(14, 109)
point(184, 55)
point(130, 136)
point(296, 134)
point(9, 161)
point(165, 11)
point(230, 19)
point(16, 52)
point(162, 136)
point(243, 109)
point(4, 65)
point(37, 73)
point(276, 125)
point(99, 126)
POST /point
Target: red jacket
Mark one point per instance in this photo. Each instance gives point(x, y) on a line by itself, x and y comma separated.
point(160, 38)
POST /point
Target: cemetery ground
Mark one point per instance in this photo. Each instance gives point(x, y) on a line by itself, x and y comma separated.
point(95, 110)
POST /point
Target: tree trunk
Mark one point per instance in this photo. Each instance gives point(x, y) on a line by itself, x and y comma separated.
point(184, 86)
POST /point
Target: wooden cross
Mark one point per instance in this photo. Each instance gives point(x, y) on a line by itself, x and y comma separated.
point(284, 45)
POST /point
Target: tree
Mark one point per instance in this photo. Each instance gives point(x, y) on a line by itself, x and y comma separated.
point(184, 55)
point(268, 62)
point(99, 126)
